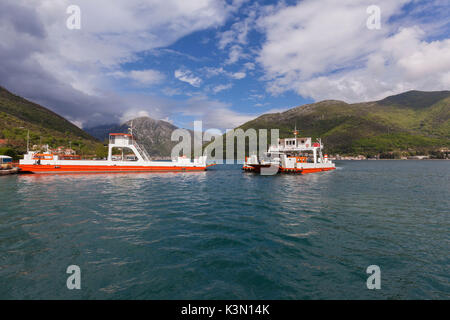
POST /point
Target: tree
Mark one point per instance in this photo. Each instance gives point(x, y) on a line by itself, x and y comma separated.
point(101, 151)
point(6, 151)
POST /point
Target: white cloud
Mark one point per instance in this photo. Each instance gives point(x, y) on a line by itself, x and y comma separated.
point(188, 77)
point(226, 38)
point(261, 104)
point(69, 71)
point(78, 123)
point(323, 49)
point(147, 76)
point(416, 58)
point(239, 75)
point(237, 34)
point(141, 77)
point(168, 91)
point(215, 114)
point(166, 119)
point(249, 65)
point(236, 38)
point(255, 96)
point(214, 71)
point(402, 63)
point(277, 110)
point(235, 54)
point(225, 118)
point(133, 114)
point(222, 87)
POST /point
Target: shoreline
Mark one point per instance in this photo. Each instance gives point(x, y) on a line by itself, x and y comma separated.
point(388, 159)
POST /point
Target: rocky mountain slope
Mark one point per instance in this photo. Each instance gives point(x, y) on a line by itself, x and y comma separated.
point(153, 134)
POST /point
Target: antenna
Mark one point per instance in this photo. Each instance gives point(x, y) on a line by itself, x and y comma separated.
point(28, 141)
point(130, 130)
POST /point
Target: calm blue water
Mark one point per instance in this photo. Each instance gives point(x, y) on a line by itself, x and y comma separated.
point(224, 234)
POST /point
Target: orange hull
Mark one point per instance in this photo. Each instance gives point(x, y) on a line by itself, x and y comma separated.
point(255, 168)
point(307, 170)
point(285, 170)
point(70, 168)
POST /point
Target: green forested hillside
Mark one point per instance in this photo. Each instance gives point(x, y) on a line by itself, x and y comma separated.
point(412, 122)
point(18, 115)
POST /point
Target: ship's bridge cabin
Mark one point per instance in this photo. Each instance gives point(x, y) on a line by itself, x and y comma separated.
point(126, 141)
point(291, 143)
point(120, 139)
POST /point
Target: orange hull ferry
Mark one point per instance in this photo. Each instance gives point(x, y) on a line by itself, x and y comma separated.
point(50, 163)
point(291, 155)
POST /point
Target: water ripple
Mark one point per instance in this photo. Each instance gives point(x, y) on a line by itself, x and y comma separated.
point(224, 234)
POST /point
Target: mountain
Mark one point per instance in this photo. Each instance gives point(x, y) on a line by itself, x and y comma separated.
point(411, 122)
point(18, 115)
point(154, 135)
point(414, 122)
point(102, 132)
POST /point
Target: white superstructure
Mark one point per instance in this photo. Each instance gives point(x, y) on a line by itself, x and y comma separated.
point(299, 155)
point(47, 162)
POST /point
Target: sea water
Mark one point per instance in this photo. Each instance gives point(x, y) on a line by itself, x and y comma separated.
point(225, 234)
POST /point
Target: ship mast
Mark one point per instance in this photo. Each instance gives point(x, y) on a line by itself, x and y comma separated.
point(295, 134)
point(28, 141)
point(130, 130)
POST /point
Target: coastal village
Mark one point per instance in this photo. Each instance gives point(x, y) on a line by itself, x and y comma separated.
point(443, 154)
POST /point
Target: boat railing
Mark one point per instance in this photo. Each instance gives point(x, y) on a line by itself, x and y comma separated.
point(144, 154)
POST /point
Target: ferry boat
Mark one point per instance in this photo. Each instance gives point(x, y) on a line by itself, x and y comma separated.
point(291, 155)
point(6, 166)
point(50, 163)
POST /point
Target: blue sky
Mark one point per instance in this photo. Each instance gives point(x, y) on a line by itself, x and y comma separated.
point(238, 84)
point(223, 62)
